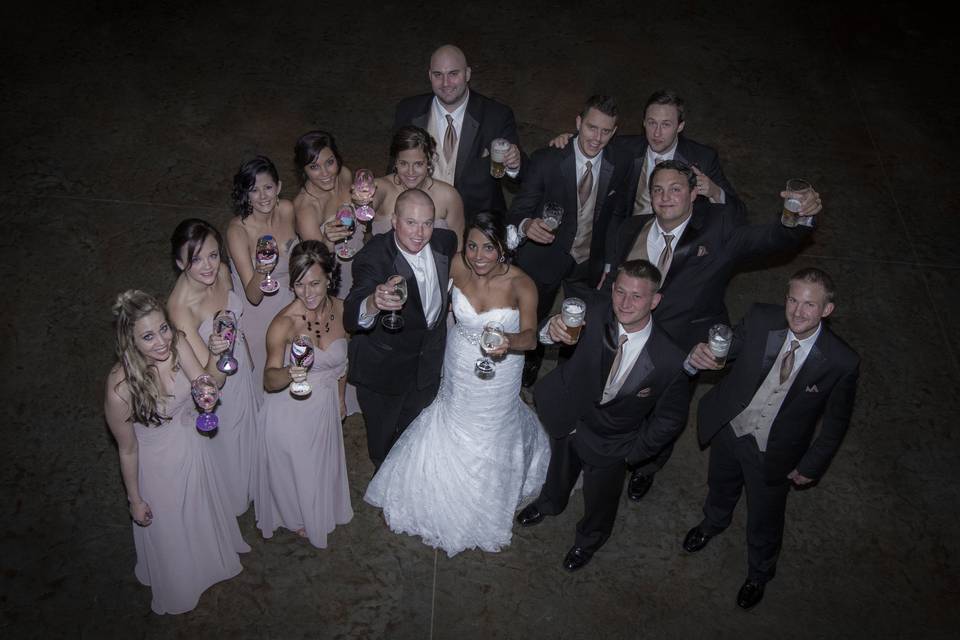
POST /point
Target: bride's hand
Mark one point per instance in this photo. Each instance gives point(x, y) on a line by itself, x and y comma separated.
point(501, 350)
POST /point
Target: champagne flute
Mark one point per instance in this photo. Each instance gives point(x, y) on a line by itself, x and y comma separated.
point(393, 321)
point(267, 256)
point(362, 194)
point(345, 216)
point(205, 394)
point(225, 325)
point(552, 215)
point(301, 354)
point(491, 338)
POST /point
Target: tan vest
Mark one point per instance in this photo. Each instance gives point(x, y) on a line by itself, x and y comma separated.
point(441, 169)
point(758, 417)
point(581, 242)
point(639, 249)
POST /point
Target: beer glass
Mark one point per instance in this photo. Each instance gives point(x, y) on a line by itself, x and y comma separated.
point(718, 339)
point(572, 312)
point(393, 321)
point(301, 354)
point(498, 150)
point(552, 215)
point(491, 338)
point(791, 206)
point(267, 255)
point(345, 215)
point(205, 394)
point(225, 326)
point(362, 194)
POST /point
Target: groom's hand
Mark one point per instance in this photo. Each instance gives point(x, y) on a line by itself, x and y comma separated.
point(384, 298)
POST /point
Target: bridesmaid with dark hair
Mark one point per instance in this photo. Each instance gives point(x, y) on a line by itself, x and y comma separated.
point(259, 212)
point(202, 290)
point(303, 482)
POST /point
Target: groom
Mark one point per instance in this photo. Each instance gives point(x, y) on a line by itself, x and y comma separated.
point(619, 400)
point(397, 373)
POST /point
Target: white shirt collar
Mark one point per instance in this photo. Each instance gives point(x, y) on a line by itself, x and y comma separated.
point(806, 344)
point(676, 233)
point(415, 259)
point(441, 113)
point(664, 155)
point(582, 159)
point(640, 335)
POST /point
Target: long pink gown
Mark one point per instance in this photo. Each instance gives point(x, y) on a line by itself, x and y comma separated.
point(235, 442)
point(303, 470)
point(193, 541)
point(257, 317)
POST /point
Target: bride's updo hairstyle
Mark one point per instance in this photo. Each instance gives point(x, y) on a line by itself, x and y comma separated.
point(490, 224)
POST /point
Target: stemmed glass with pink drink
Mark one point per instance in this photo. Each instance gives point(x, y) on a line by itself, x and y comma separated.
point(267, 255)
point(362, 192)
point(206, 394)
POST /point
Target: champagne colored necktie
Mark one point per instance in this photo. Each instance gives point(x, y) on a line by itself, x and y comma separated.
point(666, 255)
point(786, 367)
point(614, 369)
point(586, 183)
point(449, 140)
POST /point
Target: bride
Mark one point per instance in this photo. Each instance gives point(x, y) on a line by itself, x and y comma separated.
point(459, 471)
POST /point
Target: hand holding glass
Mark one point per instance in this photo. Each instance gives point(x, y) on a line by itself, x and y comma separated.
point(572, 312)
point(267, 255)
point(552, 215)
point(498, 151)
point(491, 338)
point(791, 205)
point(718, 340)
point(345, 216)
point(225, 326)
point(393, 321)
point(301, 354)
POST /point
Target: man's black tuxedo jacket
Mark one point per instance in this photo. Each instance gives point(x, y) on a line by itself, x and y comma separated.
point(552, 177)
point(649, 411)
point(688, 152)
point(484, 120)
point(394, 362)
point(824, 387)
point(713, 245)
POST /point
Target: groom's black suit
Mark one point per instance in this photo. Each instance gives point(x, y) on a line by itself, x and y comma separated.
point(396, 373)
point(647, 413)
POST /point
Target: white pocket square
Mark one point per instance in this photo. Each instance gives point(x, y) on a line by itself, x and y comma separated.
point(486, 152)
point(611, 193)
point(813, 389)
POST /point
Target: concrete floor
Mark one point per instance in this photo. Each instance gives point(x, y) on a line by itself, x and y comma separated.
point(120, 121)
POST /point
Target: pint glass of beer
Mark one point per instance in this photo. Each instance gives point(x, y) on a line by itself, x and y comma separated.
point(719, 339)
point(791, 206)
point(572, 312)
point(498, 149)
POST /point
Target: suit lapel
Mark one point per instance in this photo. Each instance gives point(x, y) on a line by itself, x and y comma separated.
point(468, 133)
point(608, 349)
point(641, 371)
point(606, 171)
point(685, 248)
point(774, 343)
point(423, 120)
point(568, 176)
point(812, 367)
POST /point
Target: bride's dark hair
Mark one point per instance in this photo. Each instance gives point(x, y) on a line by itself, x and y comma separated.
point(490, 224)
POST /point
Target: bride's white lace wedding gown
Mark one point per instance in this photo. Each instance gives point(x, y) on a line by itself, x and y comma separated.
point(457, 474)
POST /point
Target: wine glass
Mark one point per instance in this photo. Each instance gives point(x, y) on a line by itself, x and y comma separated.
point(267, 256)
point(301, 354)
point(362, 194)
point(552, 215)
point(225, 325)
point(345, 216)
point(393, 321)
point(491, 338)
point(205, 394)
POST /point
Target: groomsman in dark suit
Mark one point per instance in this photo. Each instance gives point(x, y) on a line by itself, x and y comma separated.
point(585, 179)
point(791, 372)
point(697, 246)
point(463, 123)
point(397, 373)
point(663, 122)
point(621, 398)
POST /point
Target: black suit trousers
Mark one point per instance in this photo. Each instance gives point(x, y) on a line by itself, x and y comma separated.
point(386, 416)
point(735, 462)
point(602, 487)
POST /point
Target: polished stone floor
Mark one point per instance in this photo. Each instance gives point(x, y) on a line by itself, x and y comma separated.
point(120, 119)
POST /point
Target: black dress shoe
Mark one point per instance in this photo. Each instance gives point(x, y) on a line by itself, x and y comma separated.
point(750, 594)
point(530, 371)
point(640, 483)
point(529, 516)
point(576, 558)
point(696, 539)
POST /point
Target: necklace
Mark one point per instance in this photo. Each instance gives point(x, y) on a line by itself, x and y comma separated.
point(326, 323)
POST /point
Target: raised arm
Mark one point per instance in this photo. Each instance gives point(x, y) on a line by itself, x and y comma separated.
point(239, 248)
